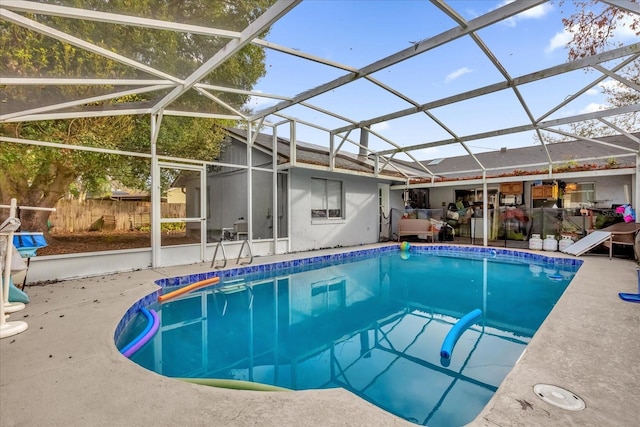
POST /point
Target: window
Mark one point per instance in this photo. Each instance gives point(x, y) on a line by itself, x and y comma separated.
point(326, 198)
point(578, 194)
point(327, 297)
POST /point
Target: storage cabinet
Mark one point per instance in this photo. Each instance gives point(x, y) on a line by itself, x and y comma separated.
point(544, 192)
point(514, 188)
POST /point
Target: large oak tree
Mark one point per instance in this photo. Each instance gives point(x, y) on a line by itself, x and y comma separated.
point(40, 176)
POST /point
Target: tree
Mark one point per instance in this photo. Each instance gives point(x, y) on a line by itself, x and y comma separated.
point(593, 29)
point(40, 176)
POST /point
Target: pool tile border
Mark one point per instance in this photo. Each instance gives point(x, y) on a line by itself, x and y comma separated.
point(480, 252)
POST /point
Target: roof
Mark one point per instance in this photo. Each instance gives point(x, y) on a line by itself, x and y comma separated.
point(617, 151)
point(311, 154)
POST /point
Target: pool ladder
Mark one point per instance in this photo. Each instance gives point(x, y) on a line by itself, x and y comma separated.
point(224, 254)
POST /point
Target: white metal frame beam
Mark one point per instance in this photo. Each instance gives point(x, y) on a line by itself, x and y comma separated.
point(263, 22)
point(159, 80)
point(497, 15)
point(466, 28)
point(496, 87)
point(618, 129)
point(625, 5)
point(75, 41)
point(594, 83)
point(78, 102)
point(523, 128)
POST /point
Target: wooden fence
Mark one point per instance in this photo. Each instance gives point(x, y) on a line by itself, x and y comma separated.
point(74, 216)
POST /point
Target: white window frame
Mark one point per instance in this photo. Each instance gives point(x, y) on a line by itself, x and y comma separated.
point(590, 193)
point(326, 197)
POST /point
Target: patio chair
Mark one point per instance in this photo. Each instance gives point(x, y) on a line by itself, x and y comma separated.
point(622, 233)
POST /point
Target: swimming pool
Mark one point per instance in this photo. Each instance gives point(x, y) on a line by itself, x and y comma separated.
point(370, 321)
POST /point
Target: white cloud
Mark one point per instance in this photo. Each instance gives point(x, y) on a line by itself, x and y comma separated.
point(457, 73)
point(625, 32)
point(621, 33)
point(537, 12)
point(592, 92)
point(379, 127)
point(510, 22)
point(558, 41)
point(592, 107)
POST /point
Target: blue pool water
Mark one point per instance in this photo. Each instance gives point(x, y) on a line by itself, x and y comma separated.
point(371, 323)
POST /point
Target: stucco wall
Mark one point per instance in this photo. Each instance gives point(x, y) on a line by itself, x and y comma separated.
point(444, 195)
point(360, 225)
point(612, 188)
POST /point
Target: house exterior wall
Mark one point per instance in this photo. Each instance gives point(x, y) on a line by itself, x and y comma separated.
point(612, 188)
point(175, 195)
point(396, 199)
point(442, 196)
point(360, 225)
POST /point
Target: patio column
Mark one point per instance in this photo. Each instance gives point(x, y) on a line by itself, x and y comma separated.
point(634, 191)
point(485, 209)
point(156, 119)
point(274, 191)
point(249, 181)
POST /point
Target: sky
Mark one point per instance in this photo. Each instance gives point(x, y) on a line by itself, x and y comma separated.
point(357, 33)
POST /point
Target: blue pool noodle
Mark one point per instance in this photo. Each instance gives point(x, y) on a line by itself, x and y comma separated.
point(624, 296)
point(457, 330)
point(629, 297)
point(146, 330)
point(154, 328)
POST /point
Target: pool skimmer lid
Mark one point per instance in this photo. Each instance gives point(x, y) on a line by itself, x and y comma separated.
point(559, 397)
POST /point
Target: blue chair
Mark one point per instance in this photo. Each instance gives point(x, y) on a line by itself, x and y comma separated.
point(27, 244)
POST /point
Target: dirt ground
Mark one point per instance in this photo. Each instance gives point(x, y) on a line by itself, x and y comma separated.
point(106, 241)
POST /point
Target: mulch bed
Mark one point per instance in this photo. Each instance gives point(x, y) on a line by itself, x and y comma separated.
point(73, 243)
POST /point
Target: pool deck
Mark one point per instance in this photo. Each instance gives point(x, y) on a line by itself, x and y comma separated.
point(65, 369)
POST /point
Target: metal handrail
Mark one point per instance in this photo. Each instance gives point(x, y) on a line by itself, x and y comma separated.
point(224, 255)
point(245, 242)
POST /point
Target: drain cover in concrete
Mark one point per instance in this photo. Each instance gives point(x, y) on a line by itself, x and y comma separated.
point(559, 397)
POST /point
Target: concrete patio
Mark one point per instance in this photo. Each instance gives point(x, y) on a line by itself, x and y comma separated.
point(65, 369)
